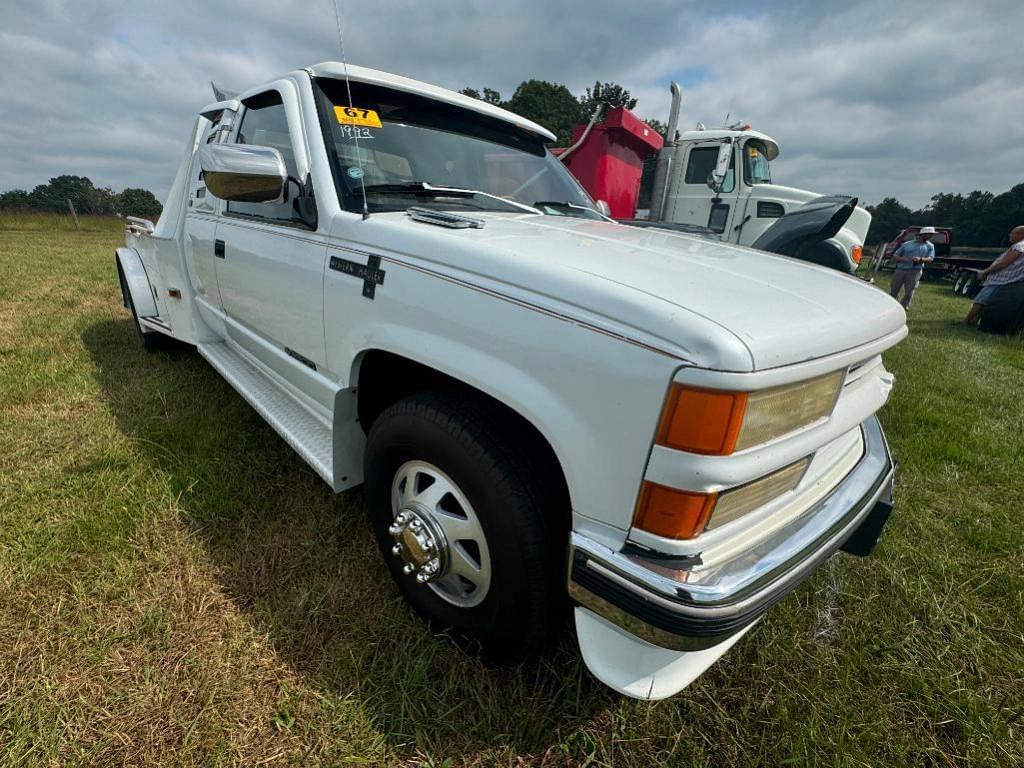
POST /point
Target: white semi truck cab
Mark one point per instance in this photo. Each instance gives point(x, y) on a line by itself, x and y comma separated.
point(546, 408)
point(721, 179)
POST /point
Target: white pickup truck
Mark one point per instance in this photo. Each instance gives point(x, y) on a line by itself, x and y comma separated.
point(546, 407)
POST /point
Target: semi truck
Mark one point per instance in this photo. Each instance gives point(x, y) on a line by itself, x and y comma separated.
point(712, 181)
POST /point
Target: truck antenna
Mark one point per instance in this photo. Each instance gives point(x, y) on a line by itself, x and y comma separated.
point(348, 89)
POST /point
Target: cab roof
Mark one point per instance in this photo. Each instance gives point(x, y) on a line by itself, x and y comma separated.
point(771, 147)
point(337, 70)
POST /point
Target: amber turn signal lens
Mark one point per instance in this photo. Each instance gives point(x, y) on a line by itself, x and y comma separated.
point(857, 253)
point(701, 420)
point(672, 513)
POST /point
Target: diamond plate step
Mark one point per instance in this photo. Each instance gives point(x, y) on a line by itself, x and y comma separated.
point(302, 430)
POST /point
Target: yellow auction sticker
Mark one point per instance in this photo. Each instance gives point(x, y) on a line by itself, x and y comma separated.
point(357, 116)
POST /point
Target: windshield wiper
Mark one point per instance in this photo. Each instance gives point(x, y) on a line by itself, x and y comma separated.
point(424, 187)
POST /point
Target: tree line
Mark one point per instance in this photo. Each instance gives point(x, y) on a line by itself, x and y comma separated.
point(555, 107)
point(53, 197)
point(979, 219)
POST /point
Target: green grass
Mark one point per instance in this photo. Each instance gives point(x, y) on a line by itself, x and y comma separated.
point(178, 588)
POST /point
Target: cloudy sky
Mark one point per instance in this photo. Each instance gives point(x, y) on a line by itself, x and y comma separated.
point(872, 99)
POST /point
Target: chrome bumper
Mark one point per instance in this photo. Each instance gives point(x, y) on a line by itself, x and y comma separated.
point(649, 596)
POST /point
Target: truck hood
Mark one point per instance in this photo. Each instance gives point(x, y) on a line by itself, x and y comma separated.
point(715, 305)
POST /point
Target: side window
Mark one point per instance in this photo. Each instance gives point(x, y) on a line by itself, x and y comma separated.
point(199, 199)
point(700, 165)
point(265, 123)
point(758, 170)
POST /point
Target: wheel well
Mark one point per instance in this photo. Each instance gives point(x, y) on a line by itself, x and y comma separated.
point(385, 378)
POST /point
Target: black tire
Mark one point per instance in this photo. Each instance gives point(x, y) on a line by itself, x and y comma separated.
point(965, 283)
point(972, 285)
point(958, 283)
point(519, 507)
point(1004, 313)
point(151, 341)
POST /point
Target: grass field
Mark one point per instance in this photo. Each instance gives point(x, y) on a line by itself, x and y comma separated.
point(178, 588)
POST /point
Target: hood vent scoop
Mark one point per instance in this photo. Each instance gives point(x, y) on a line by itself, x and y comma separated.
point(444, 219)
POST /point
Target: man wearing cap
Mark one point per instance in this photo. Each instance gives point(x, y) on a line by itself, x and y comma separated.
point(910, 259)
point(1008, 268)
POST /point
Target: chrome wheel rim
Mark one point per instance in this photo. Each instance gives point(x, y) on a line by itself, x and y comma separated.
point(438, 536)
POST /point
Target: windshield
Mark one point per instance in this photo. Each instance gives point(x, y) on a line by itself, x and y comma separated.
point(410, 146)
point(758, 169)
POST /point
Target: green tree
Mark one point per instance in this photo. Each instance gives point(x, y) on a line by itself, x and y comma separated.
point(489, 95)
point(550, 104)
point(887, 219)
point(14, 199)
point(54, 196)
point(611, 94)
point(138, 202)
point(1003, 213)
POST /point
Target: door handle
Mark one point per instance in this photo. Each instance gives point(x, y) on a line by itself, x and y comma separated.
point(218, 249)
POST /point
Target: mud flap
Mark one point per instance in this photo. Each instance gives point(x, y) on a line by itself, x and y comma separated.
point(636, 668)
point(863, 540)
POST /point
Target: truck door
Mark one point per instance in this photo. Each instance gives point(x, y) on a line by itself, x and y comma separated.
point(271, 265)
point(762, 208)
point(200, 237)
point(692, 201)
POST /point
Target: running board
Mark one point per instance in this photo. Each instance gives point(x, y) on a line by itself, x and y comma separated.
point(301, 429)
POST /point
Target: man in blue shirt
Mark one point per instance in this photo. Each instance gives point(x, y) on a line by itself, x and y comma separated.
point(910, 259)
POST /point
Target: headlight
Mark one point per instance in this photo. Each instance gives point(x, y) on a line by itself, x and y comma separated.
point(736, 502)
point(718, 423)
point(677, 514)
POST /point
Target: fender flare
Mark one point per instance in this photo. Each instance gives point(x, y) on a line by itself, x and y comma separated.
point(809, 232)
point(519, 391)
point(135, 282)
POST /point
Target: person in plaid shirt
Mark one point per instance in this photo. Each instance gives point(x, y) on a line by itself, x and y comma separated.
point(1008, 268)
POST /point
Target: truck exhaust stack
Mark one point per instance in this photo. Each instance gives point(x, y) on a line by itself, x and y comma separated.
point(662, 173)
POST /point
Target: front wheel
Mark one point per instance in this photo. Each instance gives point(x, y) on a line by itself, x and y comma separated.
point(463, 518)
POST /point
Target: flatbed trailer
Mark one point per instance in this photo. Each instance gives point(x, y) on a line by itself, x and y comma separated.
point(961, 266)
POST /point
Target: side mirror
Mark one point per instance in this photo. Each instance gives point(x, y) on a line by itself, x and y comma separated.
point(244, 173)
point(717, 177)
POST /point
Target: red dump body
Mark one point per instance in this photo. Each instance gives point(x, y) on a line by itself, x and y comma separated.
point(611, 160)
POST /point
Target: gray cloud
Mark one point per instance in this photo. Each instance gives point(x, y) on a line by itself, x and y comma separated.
point(866, 98)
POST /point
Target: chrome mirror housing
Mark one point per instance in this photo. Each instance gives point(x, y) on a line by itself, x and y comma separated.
point(244, 173)
point(716, 179)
